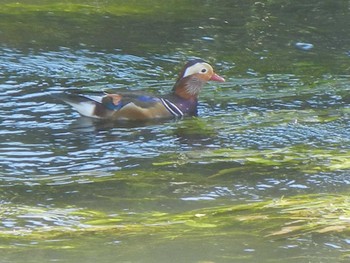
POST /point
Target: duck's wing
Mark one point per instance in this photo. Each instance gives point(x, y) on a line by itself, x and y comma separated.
point(121, 106)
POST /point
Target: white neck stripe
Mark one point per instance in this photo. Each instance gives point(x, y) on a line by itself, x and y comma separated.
point(172, 108)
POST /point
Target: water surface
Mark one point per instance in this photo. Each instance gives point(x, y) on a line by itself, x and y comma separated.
point(279, 127)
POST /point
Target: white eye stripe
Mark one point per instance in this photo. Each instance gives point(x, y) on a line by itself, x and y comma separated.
point(196, 68)
point(189, 71)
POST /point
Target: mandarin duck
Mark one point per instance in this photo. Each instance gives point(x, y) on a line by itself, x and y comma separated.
point(182, 101)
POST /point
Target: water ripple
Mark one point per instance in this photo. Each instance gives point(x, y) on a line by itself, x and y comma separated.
point(45, 141)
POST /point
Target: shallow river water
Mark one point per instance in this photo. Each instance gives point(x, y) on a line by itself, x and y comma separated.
point(221, 187)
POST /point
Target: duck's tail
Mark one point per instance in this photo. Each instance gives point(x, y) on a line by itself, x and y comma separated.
point(86, 104)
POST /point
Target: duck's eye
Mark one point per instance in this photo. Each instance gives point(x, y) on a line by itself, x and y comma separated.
point(204, 70)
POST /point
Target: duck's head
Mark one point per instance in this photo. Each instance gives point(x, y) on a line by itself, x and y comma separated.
point(193, 77)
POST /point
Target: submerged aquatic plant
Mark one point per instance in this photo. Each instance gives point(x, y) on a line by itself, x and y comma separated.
point(285, 217)
point(298, 157)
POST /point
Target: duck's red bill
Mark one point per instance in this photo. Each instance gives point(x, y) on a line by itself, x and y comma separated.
point(216, 77)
